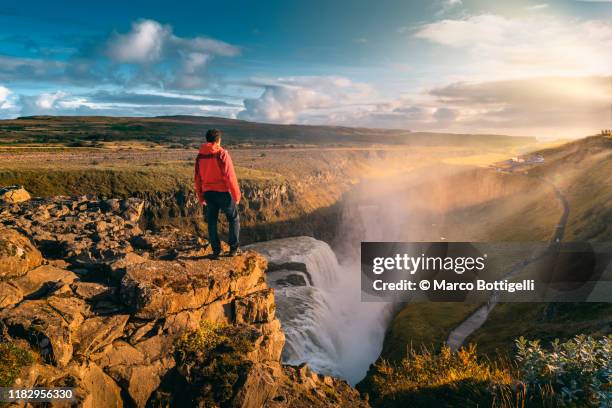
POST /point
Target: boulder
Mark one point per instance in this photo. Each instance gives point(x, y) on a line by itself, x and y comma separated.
point(142, 380)
point(49, 324)
point(257, 307)
point(118, 265)
point(9, 294)
point(259, 386)
point(38, 281)
point(157, 288)
point(98, 332)
point(95, 388)
point(131, 209)
point(269, 347)
point(14, 194)
point(132, 370)
point(111, 205)
point(92, 387)
point(119, 354)
point(92, 291)
point(45, 276)
point(17, 254)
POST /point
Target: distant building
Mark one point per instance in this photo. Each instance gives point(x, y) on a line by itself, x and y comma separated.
point(538, 158)
point(606, 132)
point(531, 159)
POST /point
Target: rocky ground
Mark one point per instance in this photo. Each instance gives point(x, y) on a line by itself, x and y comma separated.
point(138, 318)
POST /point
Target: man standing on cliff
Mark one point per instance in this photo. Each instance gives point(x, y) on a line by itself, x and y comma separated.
point(217, 188)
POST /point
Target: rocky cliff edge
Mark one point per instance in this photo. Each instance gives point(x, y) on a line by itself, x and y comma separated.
point(139, 318)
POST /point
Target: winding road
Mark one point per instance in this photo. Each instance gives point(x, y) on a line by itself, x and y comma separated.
point(459, 334)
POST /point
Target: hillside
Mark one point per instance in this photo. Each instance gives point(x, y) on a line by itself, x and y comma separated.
point(187, 131)
point(582, 171)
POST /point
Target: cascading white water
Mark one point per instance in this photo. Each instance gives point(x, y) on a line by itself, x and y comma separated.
point(326, 324)
point(304, 308)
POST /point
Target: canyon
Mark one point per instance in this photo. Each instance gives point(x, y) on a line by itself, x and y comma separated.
point(302, 230)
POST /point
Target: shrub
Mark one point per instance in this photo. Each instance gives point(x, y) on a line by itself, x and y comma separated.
point(12, 360)
point(212, 361)
point(579, 370)
point(442, 379)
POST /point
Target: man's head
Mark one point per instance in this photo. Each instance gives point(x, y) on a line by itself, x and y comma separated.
point(213, 136)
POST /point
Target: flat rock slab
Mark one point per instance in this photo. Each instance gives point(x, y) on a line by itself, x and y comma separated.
point(154, 289)
point(37, 280)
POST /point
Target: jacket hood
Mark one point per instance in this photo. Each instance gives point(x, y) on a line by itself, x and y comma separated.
point(207, 148)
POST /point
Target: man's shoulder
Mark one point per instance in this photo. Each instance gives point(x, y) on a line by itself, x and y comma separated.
point(223, 153)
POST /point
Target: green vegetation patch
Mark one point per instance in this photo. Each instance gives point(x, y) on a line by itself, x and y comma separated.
point(436, 379)
point(575, 373)
point(213, 362)
point(12, 360)
point(99, 182)
point(423, 324)
point(545, 321)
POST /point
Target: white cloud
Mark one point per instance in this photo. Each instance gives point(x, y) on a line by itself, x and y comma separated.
point(296, 99)
point(536, 7)
point(559, 106)
point(49, 100)
point(57, 103)
point(494, 47)
point(546, 107)
point(4, 94)
point(163, 58)
point(141, 45)
point(149, 41)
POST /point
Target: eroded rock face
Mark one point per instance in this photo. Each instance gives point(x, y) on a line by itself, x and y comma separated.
point(49, 324)
point(157, 288)
point(107, 308)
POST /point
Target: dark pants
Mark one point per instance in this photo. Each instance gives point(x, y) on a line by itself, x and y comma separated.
point(215, 201)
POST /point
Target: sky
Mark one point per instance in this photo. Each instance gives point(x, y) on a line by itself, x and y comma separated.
point(518, 67)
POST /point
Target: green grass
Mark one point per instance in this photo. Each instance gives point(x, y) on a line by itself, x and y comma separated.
point(425, 378)
point(120, 181)
point(423, 324)
point(100, 182)
point(546, 321)
point(12, 359)
point(214, 361)
point(569, 374)
point(189, 131)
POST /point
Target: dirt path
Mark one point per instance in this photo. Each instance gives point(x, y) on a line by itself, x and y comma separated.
point(459, 334)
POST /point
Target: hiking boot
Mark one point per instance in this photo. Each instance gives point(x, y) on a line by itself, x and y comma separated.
point(213, 256)
point(234, 252)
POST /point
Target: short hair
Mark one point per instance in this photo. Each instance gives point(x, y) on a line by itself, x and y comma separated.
point(213, 135)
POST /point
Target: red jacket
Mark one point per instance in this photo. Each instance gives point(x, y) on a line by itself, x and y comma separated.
point(214, 171)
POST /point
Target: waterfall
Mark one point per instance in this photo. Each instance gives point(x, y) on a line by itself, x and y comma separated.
point(325, 323)
point(318, 258)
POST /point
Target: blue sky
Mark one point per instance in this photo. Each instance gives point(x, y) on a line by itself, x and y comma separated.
point(514, 67)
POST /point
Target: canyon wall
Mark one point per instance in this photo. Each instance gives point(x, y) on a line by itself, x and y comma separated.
point(132, 318)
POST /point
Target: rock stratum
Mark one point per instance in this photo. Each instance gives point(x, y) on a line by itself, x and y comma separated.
point(139, 318)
